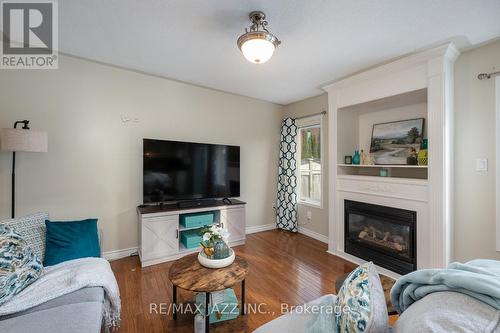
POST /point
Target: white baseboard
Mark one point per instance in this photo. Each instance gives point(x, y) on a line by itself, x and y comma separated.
point(259, 228)
point(313, 234)
point(118, 254)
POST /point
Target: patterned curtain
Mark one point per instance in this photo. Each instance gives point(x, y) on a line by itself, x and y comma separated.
point(286, 205)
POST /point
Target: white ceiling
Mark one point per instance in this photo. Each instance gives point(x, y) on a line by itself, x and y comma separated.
point(322, 40)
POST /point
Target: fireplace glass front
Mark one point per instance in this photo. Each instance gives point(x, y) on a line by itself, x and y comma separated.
point(381, 234)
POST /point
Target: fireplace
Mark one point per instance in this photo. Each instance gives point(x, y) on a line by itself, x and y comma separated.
point(384, 235)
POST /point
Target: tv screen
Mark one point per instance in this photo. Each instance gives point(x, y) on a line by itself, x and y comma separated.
point(175, 171)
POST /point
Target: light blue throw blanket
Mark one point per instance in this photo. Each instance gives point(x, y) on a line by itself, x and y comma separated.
point(478, 278)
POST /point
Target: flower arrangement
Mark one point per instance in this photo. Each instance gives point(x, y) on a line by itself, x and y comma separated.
point(212, 235)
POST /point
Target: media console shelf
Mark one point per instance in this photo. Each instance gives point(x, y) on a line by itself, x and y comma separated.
point(160, 228)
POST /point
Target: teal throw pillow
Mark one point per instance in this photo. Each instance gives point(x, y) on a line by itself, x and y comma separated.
point(70, 240)
point(19, 265)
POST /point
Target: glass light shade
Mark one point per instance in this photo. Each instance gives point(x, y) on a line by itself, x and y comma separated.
point(257, 51)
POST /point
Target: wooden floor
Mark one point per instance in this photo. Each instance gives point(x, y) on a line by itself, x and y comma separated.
point(283, 268)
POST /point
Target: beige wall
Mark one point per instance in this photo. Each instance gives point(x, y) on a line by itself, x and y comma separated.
point(319, 220)
point(475, 138)
point(94, 164)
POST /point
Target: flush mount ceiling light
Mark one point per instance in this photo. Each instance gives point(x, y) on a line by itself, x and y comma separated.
point(257, 44)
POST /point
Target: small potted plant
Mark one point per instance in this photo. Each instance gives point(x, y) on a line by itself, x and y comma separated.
point(216, 253)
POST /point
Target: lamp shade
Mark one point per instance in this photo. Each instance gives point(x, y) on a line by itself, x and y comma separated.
point(257, 51)
point(13, 139)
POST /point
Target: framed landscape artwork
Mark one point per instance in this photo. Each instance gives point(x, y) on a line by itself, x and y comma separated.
point(393, 142)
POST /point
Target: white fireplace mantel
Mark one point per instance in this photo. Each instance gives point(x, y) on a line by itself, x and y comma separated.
point(432, 197)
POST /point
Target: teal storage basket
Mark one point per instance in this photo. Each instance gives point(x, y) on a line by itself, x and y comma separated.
point(197, 219)
point(190, 238)
point(226, 310)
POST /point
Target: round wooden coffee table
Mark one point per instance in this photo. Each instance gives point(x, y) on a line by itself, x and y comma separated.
point(188, 274)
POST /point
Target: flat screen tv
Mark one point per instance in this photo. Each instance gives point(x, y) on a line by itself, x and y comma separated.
point(176, 171)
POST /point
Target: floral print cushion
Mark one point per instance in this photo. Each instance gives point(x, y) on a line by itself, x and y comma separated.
point(362, 303)
point(19, 265)
point(32, 229)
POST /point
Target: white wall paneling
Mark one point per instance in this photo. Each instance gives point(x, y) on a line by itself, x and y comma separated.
point(405, 79)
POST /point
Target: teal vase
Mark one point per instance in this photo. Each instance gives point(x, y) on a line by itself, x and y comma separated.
point(221, 250)
point(356, 158)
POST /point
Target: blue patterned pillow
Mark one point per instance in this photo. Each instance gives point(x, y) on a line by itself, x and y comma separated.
point(362, 302)
point(19, 266)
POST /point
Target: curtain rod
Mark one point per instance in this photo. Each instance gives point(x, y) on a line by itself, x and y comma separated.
point(483, 76)
point(322, 113)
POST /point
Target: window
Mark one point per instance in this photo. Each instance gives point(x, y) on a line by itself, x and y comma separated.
point(309, 162)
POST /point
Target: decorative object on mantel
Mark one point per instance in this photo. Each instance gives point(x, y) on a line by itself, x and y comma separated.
point(412, 157)
point(363, 157)
point(423, 154)
point(356, 159)
point(370, 159)
point(25, 140)
point(215, 253)
point(391, 142)
point(384, 172)
point(348, 159)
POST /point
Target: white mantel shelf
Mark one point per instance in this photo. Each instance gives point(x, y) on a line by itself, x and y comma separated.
point(429, 72)
point(383, 166)
point(378, 179)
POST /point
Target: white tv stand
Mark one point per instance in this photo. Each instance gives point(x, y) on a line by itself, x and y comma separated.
point(159, 229)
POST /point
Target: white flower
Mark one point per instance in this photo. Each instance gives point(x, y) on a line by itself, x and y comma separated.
point(224, 234)
point(206, 236)
point(214, 230)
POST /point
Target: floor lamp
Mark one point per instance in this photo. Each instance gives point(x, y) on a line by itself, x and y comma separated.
point(22, 140)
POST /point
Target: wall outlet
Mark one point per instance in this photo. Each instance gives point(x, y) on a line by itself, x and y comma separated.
point(481, 164)
point(309, 215)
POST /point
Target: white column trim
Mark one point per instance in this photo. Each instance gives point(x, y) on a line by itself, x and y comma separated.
point(497, 157)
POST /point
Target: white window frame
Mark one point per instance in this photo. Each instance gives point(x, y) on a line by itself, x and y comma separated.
point(304, 123)
point(497, 148)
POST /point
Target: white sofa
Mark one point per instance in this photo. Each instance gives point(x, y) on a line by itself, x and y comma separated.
point(294, 322)
point(441, 312)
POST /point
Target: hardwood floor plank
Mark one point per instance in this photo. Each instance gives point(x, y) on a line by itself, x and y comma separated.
point(284, 268)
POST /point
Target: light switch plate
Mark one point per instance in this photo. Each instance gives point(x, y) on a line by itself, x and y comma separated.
point(481, 164)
